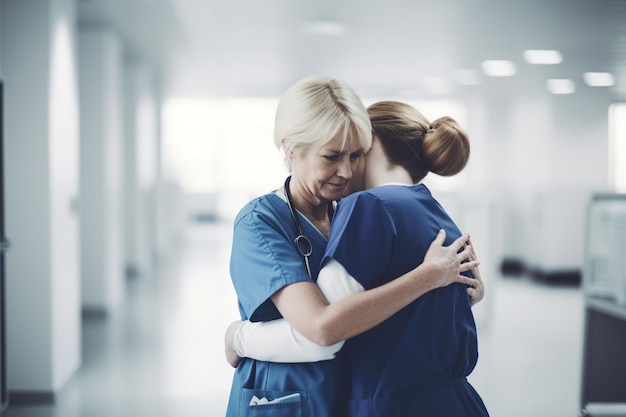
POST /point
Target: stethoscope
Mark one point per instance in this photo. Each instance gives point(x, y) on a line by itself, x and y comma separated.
point(302, 243)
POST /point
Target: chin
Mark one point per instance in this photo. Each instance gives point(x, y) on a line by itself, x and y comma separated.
point(353, 188)
point(335, 196)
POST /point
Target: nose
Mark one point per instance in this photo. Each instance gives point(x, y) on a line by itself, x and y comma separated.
point(344, 169)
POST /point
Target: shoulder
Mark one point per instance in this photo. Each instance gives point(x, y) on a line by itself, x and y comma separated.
point(361, 197)
point(356, 201)
point(265, 206)
point(385, 196)
point(360, 207)
point(402, 195)
point(391, 201)
point(423, 190)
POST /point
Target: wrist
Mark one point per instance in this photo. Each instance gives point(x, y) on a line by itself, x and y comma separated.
point(232, 335)
point(426, 276)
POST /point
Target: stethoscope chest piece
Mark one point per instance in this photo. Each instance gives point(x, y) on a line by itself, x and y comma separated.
point(303, 244)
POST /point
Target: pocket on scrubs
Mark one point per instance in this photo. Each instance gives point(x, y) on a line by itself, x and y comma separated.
point(262, 403)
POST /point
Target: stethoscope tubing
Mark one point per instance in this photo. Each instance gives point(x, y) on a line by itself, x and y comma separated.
point(301, 239)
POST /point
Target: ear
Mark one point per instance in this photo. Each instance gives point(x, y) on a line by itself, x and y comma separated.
point(376, 145)
point(289, 154)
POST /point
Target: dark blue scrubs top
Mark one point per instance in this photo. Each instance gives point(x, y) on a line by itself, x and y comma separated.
point(264, 260)
point(416, 362)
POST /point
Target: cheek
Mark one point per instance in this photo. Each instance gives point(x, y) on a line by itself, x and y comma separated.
point(360, 167)
point(304, 165)
point(322, 171)
point(358, 170)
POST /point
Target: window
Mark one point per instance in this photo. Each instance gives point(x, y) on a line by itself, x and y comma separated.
point(214, 145)
point(222, 148)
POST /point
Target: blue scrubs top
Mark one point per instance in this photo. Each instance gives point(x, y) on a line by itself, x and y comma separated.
point(416, 362)
point(264, 260)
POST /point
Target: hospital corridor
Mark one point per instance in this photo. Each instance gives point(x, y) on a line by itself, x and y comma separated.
point(133, 132)
point(162, 355)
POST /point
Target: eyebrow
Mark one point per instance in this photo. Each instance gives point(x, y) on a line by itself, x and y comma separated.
point(341, 150)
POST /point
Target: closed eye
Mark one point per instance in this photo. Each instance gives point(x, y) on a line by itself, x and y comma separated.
point(333, 157)
point(355, 156)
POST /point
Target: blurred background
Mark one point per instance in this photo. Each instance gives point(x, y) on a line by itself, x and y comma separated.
point(134, 130)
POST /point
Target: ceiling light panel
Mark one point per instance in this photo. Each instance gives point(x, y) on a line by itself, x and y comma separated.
point(324, 28)
point(543, 57)
point(599, 79)
point(561, 86)
point(499, 68)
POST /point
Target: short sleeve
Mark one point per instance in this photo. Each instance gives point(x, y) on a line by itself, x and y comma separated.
point(362, 238)
point(263, 260)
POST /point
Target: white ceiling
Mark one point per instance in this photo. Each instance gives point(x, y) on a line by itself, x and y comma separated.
point(259, 47)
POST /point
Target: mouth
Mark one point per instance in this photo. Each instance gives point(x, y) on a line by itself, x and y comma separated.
point(338, 186)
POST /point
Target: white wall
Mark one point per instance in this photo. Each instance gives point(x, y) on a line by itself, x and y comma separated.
point(140, 165)
point(27, 194)
point(102, 142)
point(541, 156)
point(41, 131)
point(64, 196)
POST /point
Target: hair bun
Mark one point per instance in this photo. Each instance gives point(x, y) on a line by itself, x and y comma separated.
point(447, 150)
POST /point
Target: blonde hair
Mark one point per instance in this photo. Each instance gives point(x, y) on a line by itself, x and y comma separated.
point(316, 110)
point(409, 140)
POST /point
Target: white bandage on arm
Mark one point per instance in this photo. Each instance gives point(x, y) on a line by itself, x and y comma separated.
point(278, 341)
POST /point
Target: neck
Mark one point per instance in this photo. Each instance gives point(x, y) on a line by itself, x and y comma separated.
point(314, 209)
point(394, 174)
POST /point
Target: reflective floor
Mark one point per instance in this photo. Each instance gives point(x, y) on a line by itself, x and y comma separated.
point(162, 353)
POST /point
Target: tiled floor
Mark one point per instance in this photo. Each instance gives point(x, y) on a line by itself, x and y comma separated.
point(162, 355)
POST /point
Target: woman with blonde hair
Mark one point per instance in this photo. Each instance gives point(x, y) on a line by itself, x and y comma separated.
point(279, 240)
point(415, 363)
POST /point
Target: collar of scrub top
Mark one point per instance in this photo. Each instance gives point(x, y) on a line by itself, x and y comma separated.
point(301, 242)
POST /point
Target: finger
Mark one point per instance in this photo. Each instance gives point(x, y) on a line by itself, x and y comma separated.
point(476, 274)
point(462, 279)
point(467, 266)
point(460, 242)
point(472, 254)
point(441, 237)
point(472, 266)
point(465, 254)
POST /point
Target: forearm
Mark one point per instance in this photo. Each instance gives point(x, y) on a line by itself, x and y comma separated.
point(349, 316)
point(308, 311)
point(278, 341)
point(352, 311)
